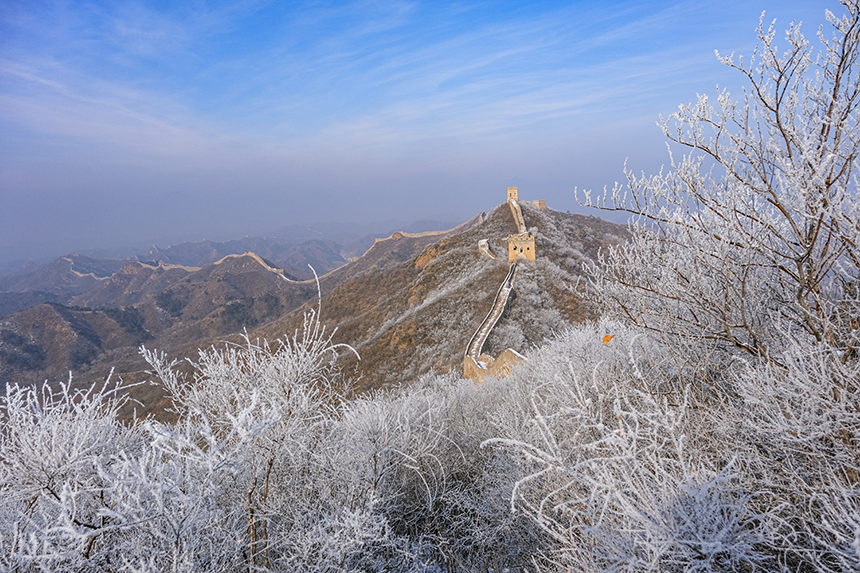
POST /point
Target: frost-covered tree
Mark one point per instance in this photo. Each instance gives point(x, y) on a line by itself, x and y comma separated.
point(636, 458)
point(756, 229)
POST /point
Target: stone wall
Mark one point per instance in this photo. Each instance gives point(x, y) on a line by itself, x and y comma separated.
point(520, 245)
point(484, 248)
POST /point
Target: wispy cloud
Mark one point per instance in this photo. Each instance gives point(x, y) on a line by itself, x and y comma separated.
point(270, 90)
point(320, 69)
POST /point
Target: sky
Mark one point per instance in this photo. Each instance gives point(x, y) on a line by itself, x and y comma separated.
point(131, 123)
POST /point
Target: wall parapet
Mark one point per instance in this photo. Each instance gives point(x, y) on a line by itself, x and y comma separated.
point(518, 216)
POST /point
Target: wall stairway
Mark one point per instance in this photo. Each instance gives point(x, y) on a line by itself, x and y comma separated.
point(480, 337)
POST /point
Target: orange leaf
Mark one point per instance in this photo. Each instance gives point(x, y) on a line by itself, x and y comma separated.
point(607, 338)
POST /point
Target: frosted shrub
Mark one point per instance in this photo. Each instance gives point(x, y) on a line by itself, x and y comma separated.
point(175, 502)
point(53, 446)
point(349, 541)
point(245, 479)
point(416, 454)
point(801, 428)
point(297, 376)
point(628, 470)
point(619, 477)
point(275, 409)
point(507, 334)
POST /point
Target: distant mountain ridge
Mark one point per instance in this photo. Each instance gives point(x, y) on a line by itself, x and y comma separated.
point(322, 254)
point(324, 246)
point(65, 277)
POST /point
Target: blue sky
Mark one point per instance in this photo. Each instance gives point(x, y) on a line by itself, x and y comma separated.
point(126, 123)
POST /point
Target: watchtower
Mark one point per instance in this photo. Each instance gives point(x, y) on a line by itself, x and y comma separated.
point(522, 245)
point(512, 194)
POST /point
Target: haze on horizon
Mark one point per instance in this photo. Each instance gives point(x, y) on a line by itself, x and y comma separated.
point(138, 122)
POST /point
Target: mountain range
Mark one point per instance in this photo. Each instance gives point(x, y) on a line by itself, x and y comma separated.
point(408, 304)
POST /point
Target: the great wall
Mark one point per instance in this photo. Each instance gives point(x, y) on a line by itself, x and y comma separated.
point(477, 366)
point(521, 249)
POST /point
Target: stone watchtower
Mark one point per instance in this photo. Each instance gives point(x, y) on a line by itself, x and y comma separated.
point(521, 246)
point(512, 194)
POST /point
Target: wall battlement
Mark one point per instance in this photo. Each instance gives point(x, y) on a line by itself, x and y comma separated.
point(484, 249)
